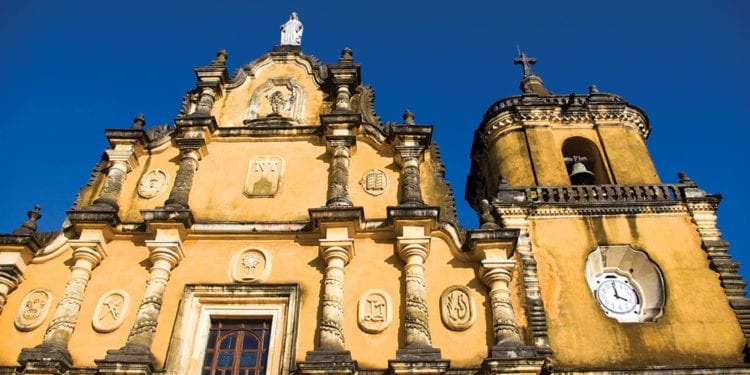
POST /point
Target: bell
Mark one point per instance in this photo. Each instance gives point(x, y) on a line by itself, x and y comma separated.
point(579, 175)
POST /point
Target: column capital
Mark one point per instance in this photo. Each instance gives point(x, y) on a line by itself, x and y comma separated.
point(92, 251)
point(171, 251)
point(491, 243)
point(123, 155)
point(493, 270)
point(411, 246)
point(341, 249)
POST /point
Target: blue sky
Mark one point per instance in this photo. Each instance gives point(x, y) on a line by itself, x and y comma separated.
point(72, 69)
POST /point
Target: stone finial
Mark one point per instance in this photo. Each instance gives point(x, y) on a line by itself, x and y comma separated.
point(29, 226)
point(503, 181)
point(684, 179)
point(408, 117)
point(346, 56)
point(593, 89)
point(487, 220)
point(221, 58)
point(139, 122)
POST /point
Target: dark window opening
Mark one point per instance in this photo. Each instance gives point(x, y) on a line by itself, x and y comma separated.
point(237, 347)
point(583, 162)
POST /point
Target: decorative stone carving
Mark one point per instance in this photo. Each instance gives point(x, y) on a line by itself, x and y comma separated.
point(264, 176)
point(375, 311)
point(278, 97)
point(457, 308)
point(291, 31)
point(153, 183)
point(250, 265)
point(375, 182)
point(110, 310)
point(33, 310)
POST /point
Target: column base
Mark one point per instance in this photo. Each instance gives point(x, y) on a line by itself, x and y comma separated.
point(127, 360)
point(514, 359)
point(418, 353)
point(329, 362)
point(45, 359)
point(424, 367)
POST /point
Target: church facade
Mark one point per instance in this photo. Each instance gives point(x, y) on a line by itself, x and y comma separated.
point(280, 227)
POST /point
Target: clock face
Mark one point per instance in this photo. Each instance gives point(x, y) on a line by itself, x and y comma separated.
point(617, 296)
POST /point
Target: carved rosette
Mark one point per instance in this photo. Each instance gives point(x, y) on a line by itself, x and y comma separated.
point(110, 311)
point(457, 308)
point(33, 310)
point(374, 311)
point(250, 265)
point(153, 183)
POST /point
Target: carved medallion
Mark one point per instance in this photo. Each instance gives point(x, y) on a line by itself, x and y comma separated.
point(33, 310)
point(264, 176)
point(375, 182)
point(153, 183)
point(110, 310)
point(250, 265)
point(375, 311)
point(457, 308)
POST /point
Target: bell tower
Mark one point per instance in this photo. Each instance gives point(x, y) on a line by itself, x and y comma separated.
point(610, 258)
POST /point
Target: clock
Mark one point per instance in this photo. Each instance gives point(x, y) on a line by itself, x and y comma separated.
point(617, 296)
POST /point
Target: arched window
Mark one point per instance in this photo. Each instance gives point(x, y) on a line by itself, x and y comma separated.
point(237, 347)
point(584, 162)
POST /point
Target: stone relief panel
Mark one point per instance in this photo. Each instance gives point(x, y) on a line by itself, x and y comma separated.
point(279, 97)
point(457, 308)
point(250, 265)
point(374, 311)
point(33, 310)
point(110, 310)
point(264, 176)
point(375, 182)
point(153, 183)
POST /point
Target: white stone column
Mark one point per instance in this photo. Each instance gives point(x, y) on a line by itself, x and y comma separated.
point(164, 256)
point(414, 252)
point(338, 180)
point(496, 274)
point(86, 256)
point(332, 319)
point(9, 281)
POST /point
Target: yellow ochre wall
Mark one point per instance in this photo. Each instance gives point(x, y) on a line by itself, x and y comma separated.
point(525, 153)
point(293, 261)
point(697, 327)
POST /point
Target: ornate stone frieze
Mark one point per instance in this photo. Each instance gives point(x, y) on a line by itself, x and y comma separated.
point(457, 308)
point(33, 310)
point(250, 265)
point(153, 183)
point(264, 176)
point(375, 182)
point(374, 311)
point(110, 311)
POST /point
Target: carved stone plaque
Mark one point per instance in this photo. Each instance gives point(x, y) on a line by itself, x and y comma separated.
point(375, 182)
point(375, 311)
point(250, 265)
point(277, 97)
point(457, 308)
point(110, 310)
point(264, 176)
point(33, 310)
point(153, 183)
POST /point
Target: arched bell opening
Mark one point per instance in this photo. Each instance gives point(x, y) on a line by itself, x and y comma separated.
point(584, 162)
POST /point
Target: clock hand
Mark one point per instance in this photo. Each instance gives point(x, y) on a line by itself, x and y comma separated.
point(614, 288)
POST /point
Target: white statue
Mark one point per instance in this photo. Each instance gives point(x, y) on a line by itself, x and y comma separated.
point(291, 31)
